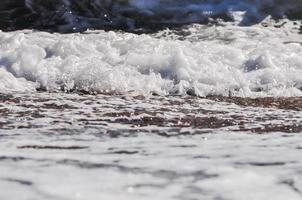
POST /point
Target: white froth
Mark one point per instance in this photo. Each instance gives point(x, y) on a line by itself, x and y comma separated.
point(119, 147)
point(244, 61)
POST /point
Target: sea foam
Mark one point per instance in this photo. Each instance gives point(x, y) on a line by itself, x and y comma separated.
point(210, 60)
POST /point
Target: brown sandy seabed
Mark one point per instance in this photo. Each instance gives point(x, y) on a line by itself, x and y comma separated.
point(165, 116)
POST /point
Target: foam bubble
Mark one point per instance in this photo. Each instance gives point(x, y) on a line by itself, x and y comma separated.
point(242, 61)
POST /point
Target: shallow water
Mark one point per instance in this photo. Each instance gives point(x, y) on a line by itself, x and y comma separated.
point(70, 146)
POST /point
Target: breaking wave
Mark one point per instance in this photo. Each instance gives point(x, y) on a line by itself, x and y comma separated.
point(223, 49)
point(232, 60)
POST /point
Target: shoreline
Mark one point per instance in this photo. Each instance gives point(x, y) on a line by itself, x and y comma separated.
point(163, 115)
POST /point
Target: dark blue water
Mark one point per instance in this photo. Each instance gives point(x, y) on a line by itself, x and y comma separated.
point(136, 15)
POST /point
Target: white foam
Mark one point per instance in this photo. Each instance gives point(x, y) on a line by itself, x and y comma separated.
point(244, 61)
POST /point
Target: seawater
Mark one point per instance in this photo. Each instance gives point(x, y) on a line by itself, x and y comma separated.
point(137, 15)
point(152, 99)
